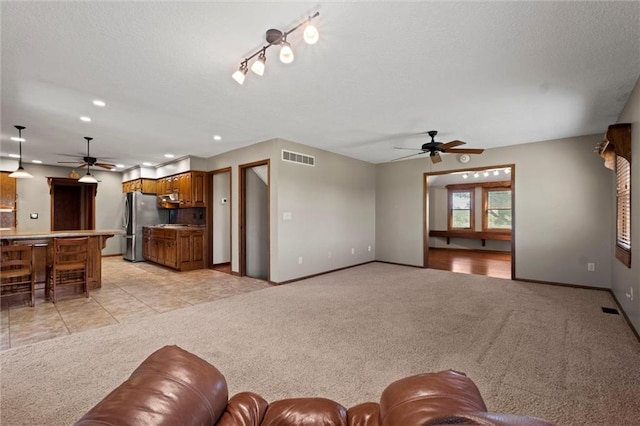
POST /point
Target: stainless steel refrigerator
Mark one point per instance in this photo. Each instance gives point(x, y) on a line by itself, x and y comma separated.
point(139, 210)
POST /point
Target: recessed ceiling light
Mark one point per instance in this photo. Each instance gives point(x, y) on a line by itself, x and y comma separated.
point(36, 161)
point(85, 118)
point(14, 156)
point(17, 139)
point(217, 137)
point(98, 102)
point(169, 155)
point(146, 163)
point(119, 165)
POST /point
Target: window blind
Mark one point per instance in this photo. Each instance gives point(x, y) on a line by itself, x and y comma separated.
point(623, 203)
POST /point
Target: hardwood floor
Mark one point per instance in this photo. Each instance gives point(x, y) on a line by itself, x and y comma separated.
point(476, 262)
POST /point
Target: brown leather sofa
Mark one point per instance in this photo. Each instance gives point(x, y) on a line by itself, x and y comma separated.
point(175, 387)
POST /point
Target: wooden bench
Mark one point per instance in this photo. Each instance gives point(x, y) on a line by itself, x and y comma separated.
point(475, 235)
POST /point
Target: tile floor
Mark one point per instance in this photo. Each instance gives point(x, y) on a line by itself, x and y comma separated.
point(129, 291)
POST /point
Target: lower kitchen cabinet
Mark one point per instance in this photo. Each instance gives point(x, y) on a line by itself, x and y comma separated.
point(177, 248)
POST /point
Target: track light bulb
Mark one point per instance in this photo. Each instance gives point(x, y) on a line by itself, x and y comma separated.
point(259, 65)
point(286, 54)
point(311, 35)
point(240, 74)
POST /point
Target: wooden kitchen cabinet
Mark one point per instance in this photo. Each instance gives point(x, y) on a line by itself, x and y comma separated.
point(179, 248)
point(191, 250)
point(184, 189)
point(197, 188)
point(144, 185)
point(190, 187)
point(7, 201)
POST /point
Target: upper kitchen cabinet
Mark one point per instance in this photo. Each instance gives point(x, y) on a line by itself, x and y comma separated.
point(188, 185)
point(146, 186)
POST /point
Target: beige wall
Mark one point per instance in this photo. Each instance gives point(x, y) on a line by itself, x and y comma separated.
point(562, 212)
point(623, 279)
point(331, 205)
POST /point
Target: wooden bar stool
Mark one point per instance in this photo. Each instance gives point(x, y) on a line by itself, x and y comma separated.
point(16, 271)
point(68, 266)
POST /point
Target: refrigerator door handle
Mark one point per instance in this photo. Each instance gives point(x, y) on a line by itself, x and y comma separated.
point(126, 214)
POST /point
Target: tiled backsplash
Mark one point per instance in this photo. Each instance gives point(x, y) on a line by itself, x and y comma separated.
point(193, 216)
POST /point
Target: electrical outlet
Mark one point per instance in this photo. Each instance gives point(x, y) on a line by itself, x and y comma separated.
point(369, 248)
point(353, 251)
point(591, 266)
point(299, 260)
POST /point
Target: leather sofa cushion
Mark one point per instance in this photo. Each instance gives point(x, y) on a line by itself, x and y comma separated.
point(305, 412)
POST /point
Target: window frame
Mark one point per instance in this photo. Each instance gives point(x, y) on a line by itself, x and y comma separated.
point(485, 208)
point(472, 213)
point(617, 143)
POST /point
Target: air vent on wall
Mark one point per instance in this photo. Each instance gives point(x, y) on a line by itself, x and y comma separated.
point(295, 157)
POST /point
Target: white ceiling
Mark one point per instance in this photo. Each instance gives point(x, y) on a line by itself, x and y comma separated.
point(490, 73)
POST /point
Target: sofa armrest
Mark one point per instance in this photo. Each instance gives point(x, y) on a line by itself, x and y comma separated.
point(170, 387)
point(417, 399)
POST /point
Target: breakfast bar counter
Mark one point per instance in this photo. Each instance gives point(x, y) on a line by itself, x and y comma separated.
point(42, 242)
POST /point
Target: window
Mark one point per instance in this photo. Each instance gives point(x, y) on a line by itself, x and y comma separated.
point(461, 209)
point(496, 209)
point(623, 210)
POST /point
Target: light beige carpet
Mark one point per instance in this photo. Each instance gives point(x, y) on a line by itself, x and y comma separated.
point(532, 349)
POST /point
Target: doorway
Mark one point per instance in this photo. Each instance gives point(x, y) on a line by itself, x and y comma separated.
point(254, 220)
point(469, 221)
point(220, 221)
point(72, 204)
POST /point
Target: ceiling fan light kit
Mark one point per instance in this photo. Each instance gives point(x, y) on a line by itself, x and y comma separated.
point(276, 37)
point(20, 172)
point(434, 149)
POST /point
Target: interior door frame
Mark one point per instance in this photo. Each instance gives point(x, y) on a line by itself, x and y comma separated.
point(209, 201)
point(89, 190)
point(242, 233)
point(425, 210)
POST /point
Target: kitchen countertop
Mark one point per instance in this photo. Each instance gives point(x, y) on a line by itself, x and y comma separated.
point(16, 234)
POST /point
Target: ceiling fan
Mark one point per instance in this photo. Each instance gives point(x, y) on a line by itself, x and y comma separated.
point(434, 148)
point(89, 161)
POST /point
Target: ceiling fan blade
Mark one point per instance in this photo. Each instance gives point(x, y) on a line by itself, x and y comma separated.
point(105, 165)
point(407, 156)
point(435, 158)
point(466, 150)
point(449, 145)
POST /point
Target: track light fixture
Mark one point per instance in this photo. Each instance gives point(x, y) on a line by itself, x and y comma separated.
point(20, 173)
point(279, 38)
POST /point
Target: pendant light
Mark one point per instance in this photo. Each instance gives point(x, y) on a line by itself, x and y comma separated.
point(88, 178)
point(20, 173)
